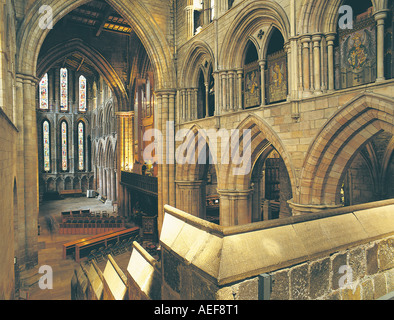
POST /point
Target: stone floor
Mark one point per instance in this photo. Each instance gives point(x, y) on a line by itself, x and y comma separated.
point(50, 245)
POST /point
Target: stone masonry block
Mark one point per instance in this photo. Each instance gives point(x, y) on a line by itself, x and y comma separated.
point(319, 278)
point(372, 259)
point(357, 263)
point(337, 260)
point(299, 282)
point(386, 254)
point(280, 285)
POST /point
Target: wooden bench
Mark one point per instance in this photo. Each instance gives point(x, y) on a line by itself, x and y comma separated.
point(69, 247)
point(74, 192)
point(83, 248)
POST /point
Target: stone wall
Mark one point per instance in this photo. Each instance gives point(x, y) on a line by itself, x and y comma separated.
point(346, 254)
point(8, 205)
point(370, 266)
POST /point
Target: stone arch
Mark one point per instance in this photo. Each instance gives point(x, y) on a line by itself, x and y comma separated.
point(196, 57)
point(337, 144)
point(194, 168)
point(322, 16)
point(249, 21)
point(262, 137)
point(191, 176)
point(109, 152)
point(103, 67)
point(150, 34)
point(100, 154)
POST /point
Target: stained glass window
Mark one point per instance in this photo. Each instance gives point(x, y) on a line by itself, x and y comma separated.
point(46, 146)
point(81, 148)
point(63, 89)
point(44, 93)
point(64, 146)
point(82, 94)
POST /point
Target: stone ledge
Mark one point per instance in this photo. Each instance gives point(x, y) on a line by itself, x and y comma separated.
point(230, 254)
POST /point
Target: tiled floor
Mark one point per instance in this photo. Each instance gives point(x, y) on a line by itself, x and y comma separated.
point(51, 248)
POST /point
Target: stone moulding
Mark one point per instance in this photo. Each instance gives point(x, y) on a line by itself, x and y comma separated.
point(230, 254)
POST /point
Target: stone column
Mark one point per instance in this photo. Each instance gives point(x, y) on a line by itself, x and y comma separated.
point(223, 82)
point(206, 84)
point(100, 184)
point(218, 100)
point(183, 105)
point(317, 63)
point(235, 207)
point(171, 148)
point(195, 103)
point(380, 16)
point(189, 105)
point(306, 65)
point(27, 170)
point(231, 75)
point(239, 88)
point(191, 197)
point(190, 19)
point(207, 12)
point(330, 61)
point(262, 75)
point(256, 198)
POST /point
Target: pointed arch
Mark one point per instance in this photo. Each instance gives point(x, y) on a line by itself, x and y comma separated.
point(322, 15)
point(196, 57)
point(195, 148)
point(338, 142)
point(104, 68)
point(31, 36)
point(249, 20)
point(263, 137)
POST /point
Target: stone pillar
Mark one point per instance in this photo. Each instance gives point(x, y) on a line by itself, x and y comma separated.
point(183, 105)
point(206, 84)
point(256, 198)
point(113, 182)
point(218, 98)
point(239, 88)
point(171, 148)
point(191, 197)
point(195, 103)
point(189, 105)
point(262, 74)
point(27, 171)
point(235, 207)
point(190, 19)
point(380, 16)
point(231, 75)
point(207, 12)
point(223, 84)
point(316, 38)
point(100, 184)
point(166, 169)
point(330, 61)
point(306, 65)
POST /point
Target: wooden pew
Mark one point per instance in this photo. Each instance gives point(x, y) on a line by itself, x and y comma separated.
point(74, 192)
point(69, 247)
point(83, 248)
